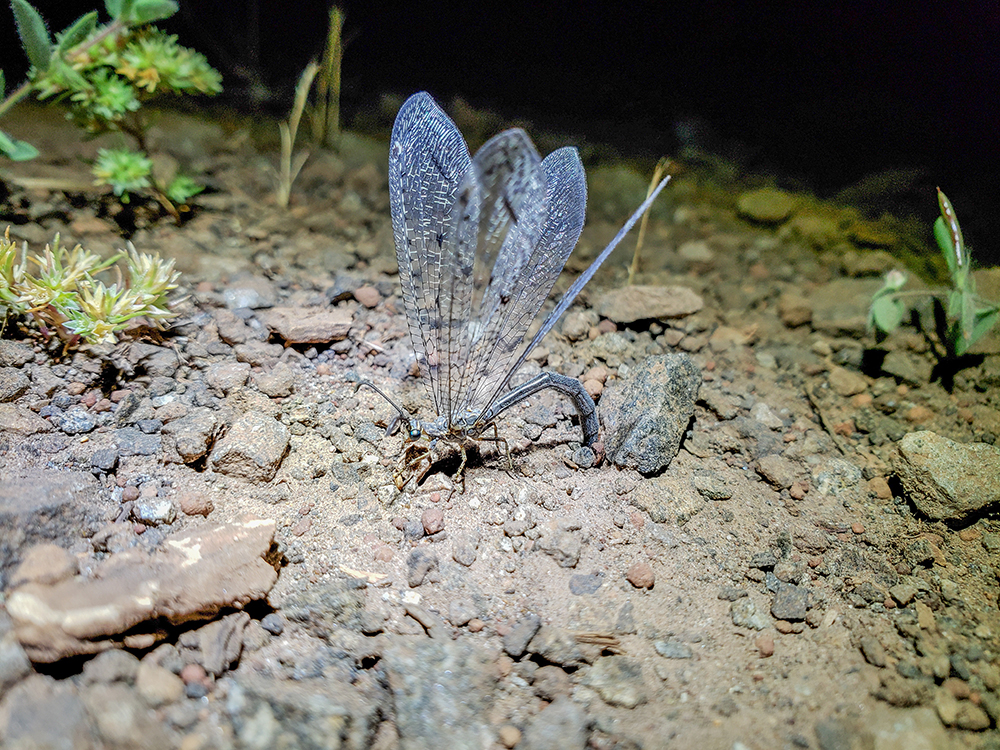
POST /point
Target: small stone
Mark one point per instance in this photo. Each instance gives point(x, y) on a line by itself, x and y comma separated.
point(13, 383)
point(432, 521)
point(790, 602)
point(618, 679)
point(155, 511)
point(925, 617)
point(562, 725)
point(779, 471)
point(641, 575)
point(858, 528)
point(509, 735)
point(794, 310)
point(670, 649)
point(252, 449)
point(195, 504)
point(550, 682)
point(77, 421)
point(461, 611)
point(958, 688)
point(765, 645)
point(847, 383)
point(418, 565)
point(745, 614)
point(105, 460)
point(784, 627)
point(516, 641)
point(368, 296)
point(273, 623)
point(873, 651)
point(157, 686)
point(278, 382)
point(227, 375)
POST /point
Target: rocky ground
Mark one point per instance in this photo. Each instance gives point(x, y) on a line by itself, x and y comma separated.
point(202, 546)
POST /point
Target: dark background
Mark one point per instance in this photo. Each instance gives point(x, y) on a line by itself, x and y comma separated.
point(820, 94)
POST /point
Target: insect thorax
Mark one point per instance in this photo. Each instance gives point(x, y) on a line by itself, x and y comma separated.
point(463, 425)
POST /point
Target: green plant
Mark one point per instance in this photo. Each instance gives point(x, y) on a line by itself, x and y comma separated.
point(290, 165)
point(65, 298)
point(325, 114)
point(105, 74)
point(962, 316)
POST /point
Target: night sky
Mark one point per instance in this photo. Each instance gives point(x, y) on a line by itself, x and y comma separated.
point(819, 94)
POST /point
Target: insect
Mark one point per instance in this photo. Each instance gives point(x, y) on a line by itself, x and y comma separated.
point(480, 241)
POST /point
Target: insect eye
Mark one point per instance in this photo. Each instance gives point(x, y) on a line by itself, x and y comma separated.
point(414, 433)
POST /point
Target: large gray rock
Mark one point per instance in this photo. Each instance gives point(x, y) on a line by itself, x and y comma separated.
point(945, 479)
point(442, 691)
point(645, 415)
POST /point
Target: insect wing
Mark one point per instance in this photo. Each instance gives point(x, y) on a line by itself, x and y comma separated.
point(428, 162)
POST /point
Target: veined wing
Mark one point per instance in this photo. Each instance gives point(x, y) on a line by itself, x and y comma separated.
point(499, 217)
point(428, 161)
point(528, 265)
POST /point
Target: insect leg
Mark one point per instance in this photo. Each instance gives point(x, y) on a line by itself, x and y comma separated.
point(569, 386)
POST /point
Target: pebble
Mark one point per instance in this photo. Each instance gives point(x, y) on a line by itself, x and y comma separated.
point(765, 645)
point(432, 521)
point(105, 460)
point(368, 296)
point(77, 421)
point(156, 685)
point(273, 623)
point(641, 575)
point(790, 602)
point(516, 641)
point(155, 511)
point(673, 649)
point(745, 614)
point(509, 735)
point(418, 565)
point(195, 504)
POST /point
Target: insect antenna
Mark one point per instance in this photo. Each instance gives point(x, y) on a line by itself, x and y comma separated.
point(403, 416)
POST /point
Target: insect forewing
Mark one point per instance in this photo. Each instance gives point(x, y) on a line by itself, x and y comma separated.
point(428, 161)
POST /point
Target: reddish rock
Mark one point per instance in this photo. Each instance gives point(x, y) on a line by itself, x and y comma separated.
point(432, 520)
point(641, 575)
point(195, 504)
point(765, 645)
point(368, 296)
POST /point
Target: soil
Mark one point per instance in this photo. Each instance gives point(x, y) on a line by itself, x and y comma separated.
point(773, 586)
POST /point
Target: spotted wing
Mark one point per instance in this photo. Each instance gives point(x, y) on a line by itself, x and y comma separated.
point(428, 163)
point(528, 264)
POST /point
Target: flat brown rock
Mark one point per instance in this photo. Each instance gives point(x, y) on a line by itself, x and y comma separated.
point(308, 325)
point(192, 576)
point(632, 303)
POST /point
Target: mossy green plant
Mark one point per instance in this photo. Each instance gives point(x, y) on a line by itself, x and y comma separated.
point(105, 74)
point(64, 297)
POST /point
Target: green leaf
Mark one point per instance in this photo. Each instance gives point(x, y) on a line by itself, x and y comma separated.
point(147, 11)
point(117, 8)
point(3, 84)
point(80, 30)
point(34, 35)
point(943, 237)
point(887, 313)
point(16, 150)
point(985, 320)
